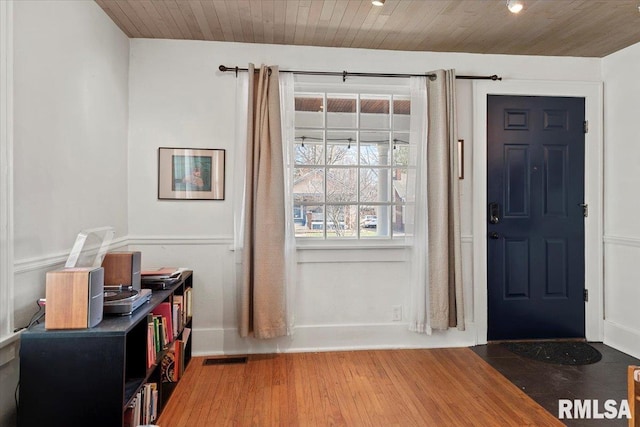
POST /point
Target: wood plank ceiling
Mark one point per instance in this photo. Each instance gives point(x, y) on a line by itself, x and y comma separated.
point(585, 28)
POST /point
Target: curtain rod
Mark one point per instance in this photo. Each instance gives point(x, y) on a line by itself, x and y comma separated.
point(344, 74)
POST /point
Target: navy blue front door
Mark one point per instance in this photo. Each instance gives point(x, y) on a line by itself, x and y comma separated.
point(535, 217)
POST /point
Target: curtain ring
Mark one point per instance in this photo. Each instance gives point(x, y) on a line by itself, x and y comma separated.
point(236, 71)
point(344, 76)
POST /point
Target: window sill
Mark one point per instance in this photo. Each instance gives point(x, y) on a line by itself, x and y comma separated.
point(355, 252)
point(350, 245)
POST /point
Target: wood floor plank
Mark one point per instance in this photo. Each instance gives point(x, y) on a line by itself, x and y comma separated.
point(360, 388)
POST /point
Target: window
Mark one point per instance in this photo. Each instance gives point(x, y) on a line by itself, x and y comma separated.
point(351, 163)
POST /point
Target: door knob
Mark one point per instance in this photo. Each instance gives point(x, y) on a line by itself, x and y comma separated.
point(494, 213)
point(494, 235)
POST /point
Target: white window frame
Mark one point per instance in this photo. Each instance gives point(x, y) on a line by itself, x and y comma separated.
point(374, 87)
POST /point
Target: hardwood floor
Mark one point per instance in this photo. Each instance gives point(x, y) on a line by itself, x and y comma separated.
point(439, 387)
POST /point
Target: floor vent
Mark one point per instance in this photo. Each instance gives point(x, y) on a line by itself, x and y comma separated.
point(225, 360)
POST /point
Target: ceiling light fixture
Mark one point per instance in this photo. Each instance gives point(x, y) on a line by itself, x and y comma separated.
point(515, 6)
point(377, 2)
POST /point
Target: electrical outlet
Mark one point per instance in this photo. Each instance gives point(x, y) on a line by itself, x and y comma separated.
point(397, 313)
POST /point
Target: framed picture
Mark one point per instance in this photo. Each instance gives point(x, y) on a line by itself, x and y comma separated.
point(190, 174)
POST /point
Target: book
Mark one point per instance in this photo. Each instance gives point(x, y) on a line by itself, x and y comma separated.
point(165, 310)
point(156, 333)
point(187, 308)
point(168, 366)
point(186, 334)
point(132, 413)
point(176, 319)
point(178, 304)
point(151, 344)
point(154, 403)
point(137, 410)
point(178, 363)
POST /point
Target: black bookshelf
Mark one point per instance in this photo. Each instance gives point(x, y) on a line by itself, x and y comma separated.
point(90, 376)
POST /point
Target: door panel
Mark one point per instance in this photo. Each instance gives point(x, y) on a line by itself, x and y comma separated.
point(516, 268)
point(517, 188)
point(535, 249)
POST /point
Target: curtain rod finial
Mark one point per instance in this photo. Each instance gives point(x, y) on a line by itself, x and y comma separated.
point(222, 68)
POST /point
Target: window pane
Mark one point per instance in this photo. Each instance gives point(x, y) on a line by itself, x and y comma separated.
point(309, 221)
point(398, 215)
point(374, 221)
point(368, 221)
point(340, 221)
point(400, 143)
point(399, 185)
point(374, 185)
point(309, 147)
point(401, 114)
point(342, 185)
point(342, 148)
point(308, 185)
point(309, 110)
point(374, 148)
point(374, 112)
point(341, 111)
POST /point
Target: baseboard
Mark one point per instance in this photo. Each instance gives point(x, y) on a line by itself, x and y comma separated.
point(622, 338)
point(226, 341)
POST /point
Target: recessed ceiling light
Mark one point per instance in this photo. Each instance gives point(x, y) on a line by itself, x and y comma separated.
point(377, 2)
point(515, 6)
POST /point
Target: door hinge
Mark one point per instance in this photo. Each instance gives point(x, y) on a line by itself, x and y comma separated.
point(585, 295)
point(585, 209)
point(585, 126)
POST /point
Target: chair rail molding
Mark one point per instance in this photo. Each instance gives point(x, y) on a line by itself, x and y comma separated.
point(180, 240)
point(56, 259)
point(622, 241)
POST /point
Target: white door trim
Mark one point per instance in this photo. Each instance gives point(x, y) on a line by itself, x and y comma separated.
point(593, 94)
point(6, 168)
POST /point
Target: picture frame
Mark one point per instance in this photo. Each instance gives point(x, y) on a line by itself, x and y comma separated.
point(191, 173)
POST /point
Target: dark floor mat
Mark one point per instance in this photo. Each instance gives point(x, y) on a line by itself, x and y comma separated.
point(563, 353)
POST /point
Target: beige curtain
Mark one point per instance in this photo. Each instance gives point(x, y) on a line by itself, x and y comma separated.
point(262, 293)
point(445, 267)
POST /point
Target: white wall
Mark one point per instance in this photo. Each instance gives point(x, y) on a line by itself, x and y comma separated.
point(71, 67)
point(620, 73)
point(344, 298)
